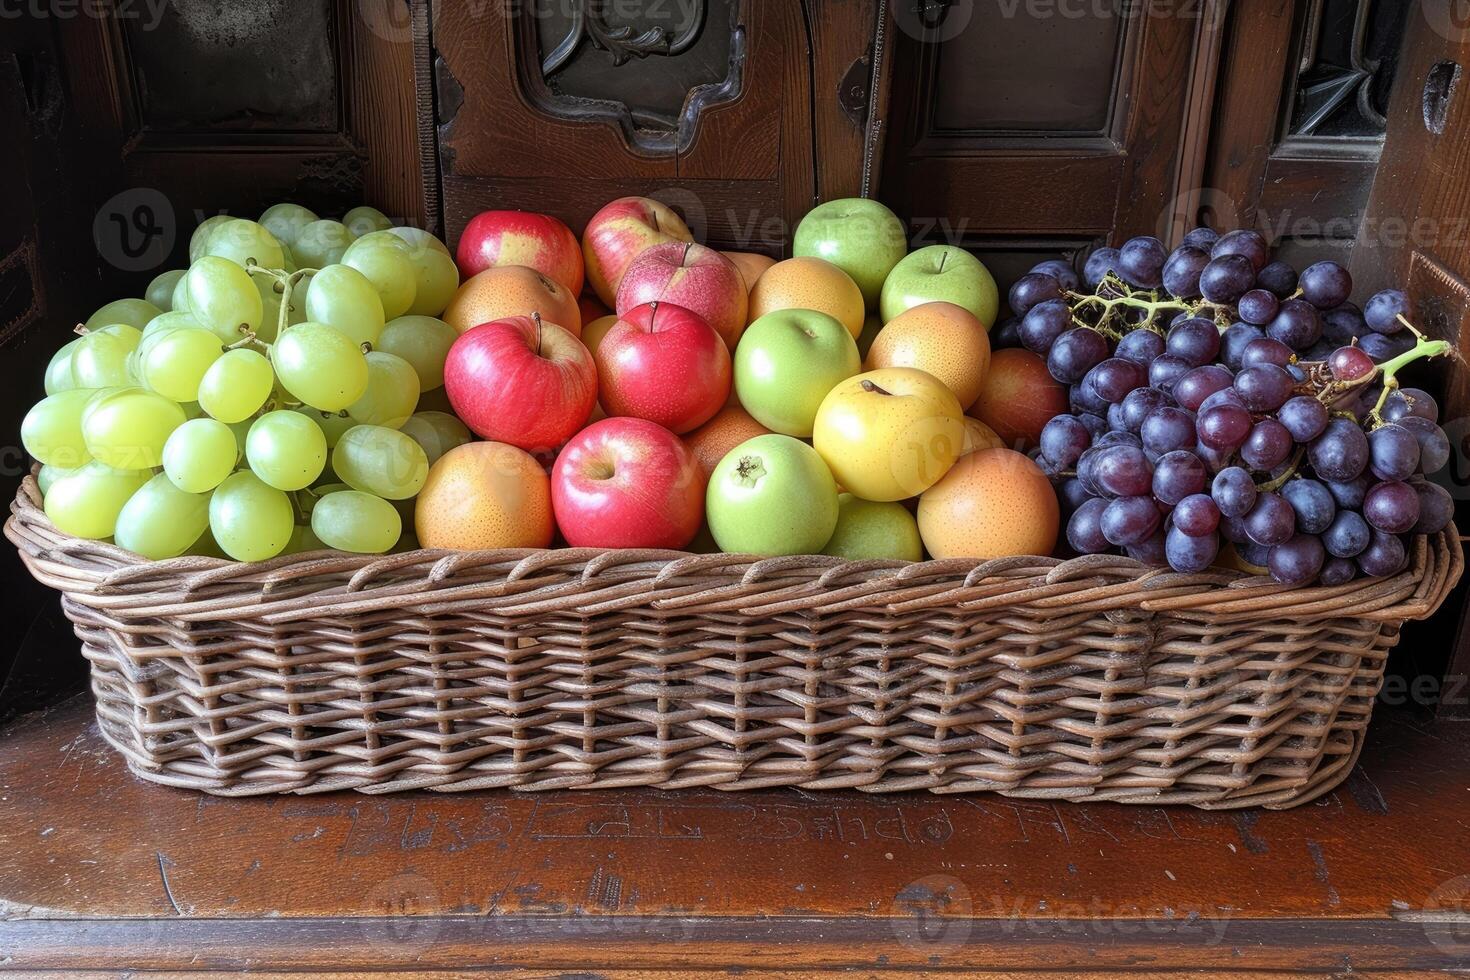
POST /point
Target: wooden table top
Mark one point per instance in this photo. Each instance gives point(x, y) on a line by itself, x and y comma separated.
point(104, 872)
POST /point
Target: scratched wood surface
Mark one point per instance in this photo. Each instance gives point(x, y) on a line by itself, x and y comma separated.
point(1377, 872)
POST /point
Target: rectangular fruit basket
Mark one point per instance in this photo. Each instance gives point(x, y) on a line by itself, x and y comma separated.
point(1090, 679)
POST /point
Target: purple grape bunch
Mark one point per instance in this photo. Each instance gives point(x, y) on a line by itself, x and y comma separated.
point(1219, 398)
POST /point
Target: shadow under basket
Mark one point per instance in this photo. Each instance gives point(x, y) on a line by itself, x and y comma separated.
point(1096, 678)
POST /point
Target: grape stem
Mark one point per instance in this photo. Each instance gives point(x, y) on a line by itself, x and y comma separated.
point(1278, 482)
point(1423, 347)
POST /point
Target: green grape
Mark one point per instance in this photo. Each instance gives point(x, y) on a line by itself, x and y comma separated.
point(350, 520)
point(199, 455)
point(322, 243)
point(179, 301)
point(125, 332)
point(380, 461)
point(245, 243)
point(52, 430)
point(250, 520)
point(286, 449)
point(133, 312)
point(417, 239)
point(47, 475)
point(207, 547)
point(285, 221)
point(100, 360)
point(160, 291)
point(346, 300)
point(391, 394)
point(363, 219)
point(422, 341)
point(85, 503)
point(272, 291)
point(436, 433)
point(236, 385)
point(320, 366)
point(58, 370)
point(200, 239)
point(436, 280)
point(390, 272)
point(223, 298)
point(160, 520)
point(303, 540)
point(126, 428)
point(332, 424)
point(174, 364)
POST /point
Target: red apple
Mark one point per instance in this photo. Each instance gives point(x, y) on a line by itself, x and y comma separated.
point(1019, 397)
point(521, 380)
point(695, 277)
point(663, 363)
point(627, 483)
point(617, 233)
point(496, 238)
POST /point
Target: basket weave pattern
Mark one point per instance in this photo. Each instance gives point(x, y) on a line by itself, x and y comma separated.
point(1091, 679)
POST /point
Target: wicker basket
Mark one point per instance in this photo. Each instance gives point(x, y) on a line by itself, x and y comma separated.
point(1091, 679)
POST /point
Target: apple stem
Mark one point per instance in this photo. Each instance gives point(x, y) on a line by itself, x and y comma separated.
point(535, 315)
point(942, 256)
point(80, 330)
point(870, 387)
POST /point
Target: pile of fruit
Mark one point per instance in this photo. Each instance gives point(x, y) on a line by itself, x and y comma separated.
point(1216, 398)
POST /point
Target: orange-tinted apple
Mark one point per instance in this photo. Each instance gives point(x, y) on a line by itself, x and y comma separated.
point(944, 339)
point(485, 495)
point(728, 429)
point(1020, 397)
point(538, 241)
point(752, 266)
point(991, 504)
point(692, 276)
point(618, 232)
point(513, 290)
point(595, 330)
point(809, 284)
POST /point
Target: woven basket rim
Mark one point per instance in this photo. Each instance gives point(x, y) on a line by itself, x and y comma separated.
point(97, 572)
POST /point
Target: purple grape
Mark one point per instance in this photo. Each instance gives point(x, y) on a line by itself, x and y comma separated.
point(1271, 520)
point(1140, 346)
point(1267, 446)
point(1349, 364)
point(1183, 269)
point(1223, 427)
point(1166, 370)
point(1139, 403)
point(1095, 424)
point(1326, 285)
point(1044, 323)
point(1304, 417)
point(1195, 341)
point(1349, 494)
point(1190, 553)
point(1130, 520)
point(1342, 325)
point(1410, 401)
point(1385, 348)
point(1436, 508)
point(1122, 471)
point(1340, 453)
point(1071, 494)
point(1192, 389)
point(1338, 571)
point(1254, 554)
point(1116, 419)
point(1391, 506)
point(1384, 555)
point(1347, 535)
point(1178, 475)
point(1434, 445)
point(1225, 396)
point(1263, 387)
point(1246, 244)
point(1063, 441)
point(1215, 460)
point(1298, 561)
point(1313, 505)
point(1197, 514)
point(1150, 551)
point(1234, 340)
point(1202, 237)
point(1115, 377)
point(1227, 278)
point(1233, 491)
point(1266, 351)
point(1277, 277)
point(1083, 400)
point(1084, 528)
point(1166, 429)
point(1119, 437)
point(1007, 334)
point(1061, 270)
point(1098, 265)
point(1258, 306)
point(1297, 324)
point(1076, 352)
point(1393, 452)
point(1033, 288)
point(1384, 309)
point(1141, 262)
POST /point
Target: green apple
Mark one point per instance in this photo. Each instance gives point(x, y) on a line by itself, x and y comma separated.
point(870, 529)
point(771, 495)
point(858, 235)
point(786, 363)
point(940, 272)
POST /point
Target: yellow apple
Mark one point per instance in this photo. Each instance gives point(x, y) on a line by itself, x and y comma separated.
point(889, 434)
